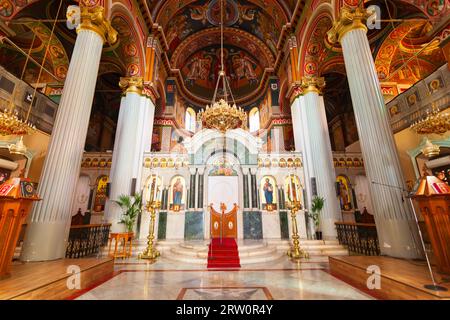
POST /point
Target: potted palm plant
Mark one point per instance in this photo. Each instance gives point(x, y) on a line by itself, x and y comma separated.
point(317, 204)
point(131, 207)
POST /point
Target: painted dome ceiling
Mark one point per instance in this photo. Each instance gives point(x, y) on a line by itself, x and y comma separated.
point(252, 30)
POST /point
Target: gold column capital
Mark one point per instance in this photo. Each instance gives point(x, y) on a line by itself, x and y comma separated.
point(349, 19)
point(132, 85)
point(312, 84)
point(93, 18)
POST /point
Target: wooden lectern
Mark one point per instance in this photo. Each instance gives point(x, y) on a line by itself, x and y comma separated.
point(16, 198)
point(433, 198)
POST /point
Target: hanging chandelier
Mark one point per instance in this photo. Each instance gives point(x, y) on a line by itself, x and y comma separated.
point(221, 115)
point(435, 122)
point(10, 124)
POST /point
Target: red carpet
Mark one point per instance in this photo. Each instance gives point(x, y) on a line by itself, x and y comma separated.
point(223, 254)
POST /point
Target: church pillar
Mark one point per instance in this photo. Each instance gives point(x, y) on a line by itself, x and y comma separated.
point(397, 231)
point(320, 173)
point(277, 139)
point(47, 231)
point(133, 134)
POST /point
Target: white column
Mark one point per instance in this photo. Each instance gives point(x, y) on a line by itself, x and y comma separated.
point(397, 232)
point(299, 141)
point(132, 134)
point(317, 151)
point(47, 231)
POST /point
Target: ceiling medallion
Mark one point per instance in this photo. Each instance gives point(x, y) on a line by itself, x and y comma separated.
point(214, 14)
point(221, 115)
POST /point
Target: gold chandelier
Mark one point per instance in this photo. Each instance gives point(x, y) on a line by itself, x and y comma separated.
point(435, 122)
point(10, 124)
point(221, 115)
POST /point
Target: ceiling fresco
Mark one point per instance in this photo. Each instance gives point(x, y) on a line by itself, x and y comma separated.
point(201, 70)
point(401, 48)
point(198, 59)
point(265, 24)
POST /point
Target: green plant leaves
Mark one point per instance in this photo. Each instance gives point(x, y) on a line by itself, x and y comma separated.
point(131, 207)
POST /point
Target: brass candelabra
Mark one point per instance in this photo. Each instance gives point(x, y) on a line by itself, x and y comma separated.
point(295, 252)
point(151, 253)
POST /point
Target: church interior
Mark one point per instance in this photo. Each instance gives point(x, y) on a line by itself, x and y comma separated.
point(225, 149)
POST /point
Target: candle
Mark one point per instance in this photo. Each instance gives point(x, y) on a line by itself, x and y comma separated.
point(155, 188)
point(291, 192)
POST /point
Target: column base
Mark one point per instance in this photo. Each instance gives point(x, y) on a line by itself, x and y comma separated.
point(328, 229)
point(45, 241)
point(396, 238)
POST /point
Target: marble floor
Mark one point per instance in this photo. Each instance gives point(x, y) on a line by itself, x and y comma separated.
point(166, 280)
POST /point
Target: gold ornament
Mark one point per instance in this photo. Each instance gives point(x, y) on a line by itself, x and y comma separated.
point(93, 18)
point(222, 116)
point(10, 124)
point(313, 84)
point(295, 252)
point(151, 253)
point(430, 150)
point(349, 19)
point(434, 122)
point(132, 85)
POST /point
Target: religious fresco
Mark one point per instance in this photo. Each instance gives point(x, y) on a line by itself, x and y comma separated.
point(201, 72)
point(153, 188)
point(292, 189)
point(257, 19)
point(100, 193)
point(317, 48)
point(399, 48)
point(177, 194)
point(268, 193)
point(345, 192)
point(156, 138)
point(128, 45)
point(222, 168)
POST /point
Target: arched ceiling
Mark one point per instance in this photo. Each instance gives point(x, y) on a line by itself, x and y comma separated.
point(252, 31)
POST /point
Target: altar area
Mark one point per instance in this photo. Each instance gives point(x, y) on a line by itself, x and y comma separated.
point(216, 168)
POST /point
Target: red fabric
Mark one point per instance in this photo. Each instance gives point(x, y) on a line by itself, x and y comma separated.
point(223, 254)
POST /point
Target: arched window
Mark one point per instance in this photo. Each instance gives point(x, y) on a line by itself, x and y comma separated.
point(253, 117)
point(189, 121)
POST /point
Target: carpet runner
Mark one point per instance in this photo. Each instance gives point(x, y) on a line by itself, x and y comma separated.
point(223, 254)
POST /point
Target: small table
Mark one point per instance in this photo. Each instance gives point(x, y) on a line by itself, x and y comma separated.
point(126, 238)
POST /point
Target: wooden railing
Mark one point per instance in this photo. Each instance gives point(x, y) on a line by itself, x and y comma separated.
point(86, 240)
point(360, 238)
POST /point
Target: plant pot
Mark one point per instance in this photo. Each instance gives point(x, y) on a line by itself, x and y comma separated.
point(318, 235)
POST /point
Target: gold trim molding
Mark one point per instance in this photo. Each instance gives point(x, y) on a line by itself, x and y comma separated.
point(132, 85)
point(93, 18)
point(349, 19)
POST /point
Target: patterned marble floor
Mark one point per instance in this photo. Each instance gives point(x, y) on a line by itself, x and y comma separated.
point(166, 280)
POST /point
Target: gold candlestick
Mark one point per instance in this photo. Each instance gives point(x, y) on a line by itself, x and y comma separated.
point(151, 253)
point(295, 252)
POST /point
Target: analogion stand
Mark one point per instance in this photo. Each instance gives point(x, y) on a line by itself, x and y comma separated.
point(16, 198)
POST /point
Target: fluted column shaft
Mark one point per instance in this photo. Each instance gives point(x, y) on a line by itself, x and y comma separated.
point(312, 133)
point(133, 131)
point(47, 232)
point(397, 232)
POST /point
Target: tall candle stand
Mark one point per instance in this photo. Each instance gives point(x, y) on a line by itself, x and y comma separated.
point(295, 252)
point(151, 253)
